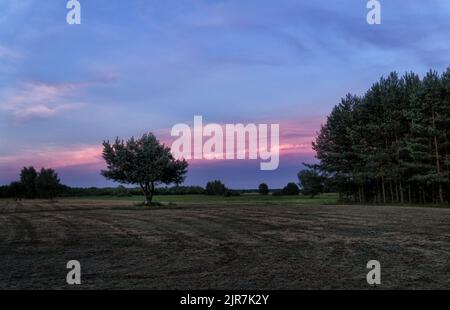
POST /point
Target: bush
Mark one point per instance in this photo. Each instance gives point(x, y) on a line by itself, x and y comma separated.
point(216, 188)
point(263, 189)
point(291, 189)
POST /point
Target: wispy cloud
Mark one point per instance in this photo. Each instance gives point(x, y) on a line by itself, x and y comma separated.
point(37, 100)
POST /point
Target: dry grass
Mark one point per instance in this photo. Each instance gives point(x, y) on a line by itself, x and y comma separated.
point(121, 245)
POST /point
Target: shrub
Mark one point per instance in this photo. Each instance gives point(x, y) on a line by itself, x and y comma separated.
point(291, 189)
point(263, 189)
point(215, 188)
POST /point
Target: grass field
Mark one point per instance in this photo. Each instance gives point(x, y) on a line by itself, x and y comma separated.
point(242, 199)
point(256, 245)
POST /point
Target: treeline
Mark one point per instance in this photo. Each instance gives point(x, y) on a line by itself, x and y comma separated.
point(392, 144)
point(33, 184)
point(122, 191)
point(45, 184)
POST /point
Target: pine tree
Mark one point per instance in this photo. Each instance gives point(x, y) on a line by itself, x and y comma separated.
point(391, 145)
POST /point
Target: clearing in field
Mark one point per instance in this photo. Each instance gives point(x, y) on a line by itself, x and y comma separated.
point(217, 246)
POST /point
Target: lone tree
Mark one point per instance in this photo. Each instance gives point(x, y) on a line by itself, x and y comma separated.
point(263, 189)
point(143, 161)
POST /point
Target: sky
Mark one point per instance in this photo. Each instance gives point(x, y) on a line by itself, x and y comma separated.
point(141, 66)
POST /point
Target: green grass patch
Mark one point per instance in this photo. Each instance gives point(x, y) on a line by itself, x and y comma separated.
point(242, 199)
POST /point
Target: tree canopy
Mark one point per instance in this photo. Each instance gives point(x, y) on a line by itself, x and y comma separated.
point(47, 183)
point(263, 189)
point(28, 178)
point(145, 162)
point(216, 188)
point(291, 189)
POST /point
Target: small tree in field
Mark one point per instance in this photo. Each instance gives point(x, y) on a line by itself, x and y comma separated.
point(145, 162)
point(47, 183)
point(263, 189)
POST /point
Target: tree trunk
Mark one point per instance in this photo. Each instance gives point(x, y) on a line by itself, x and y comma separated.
point(152, 191)
point(402, 199)
point(438, 166)
point(391, 191)
point(148, 190)
point(409, 194)
point(363, 194)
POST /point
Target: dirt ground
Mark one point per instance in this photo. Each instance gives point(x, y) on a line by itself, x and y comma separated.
point(122, 246)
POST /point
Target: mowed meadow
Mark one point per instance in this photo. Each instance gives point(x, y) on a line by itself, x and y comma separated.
point(199, 242)
point(247, 198)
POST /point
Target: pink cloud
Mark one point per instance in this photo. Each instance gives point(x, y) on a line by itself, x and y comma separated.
point(55, 157)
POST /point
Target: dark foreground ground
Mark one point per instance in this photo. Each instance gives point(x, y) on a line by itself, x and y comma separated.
point(121, 246)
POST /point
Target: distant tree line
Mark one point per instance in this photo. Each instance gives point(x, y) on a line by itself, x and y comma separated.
point(217, 188)
point(392, 144)
point(122, 191)
point(33, 184)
